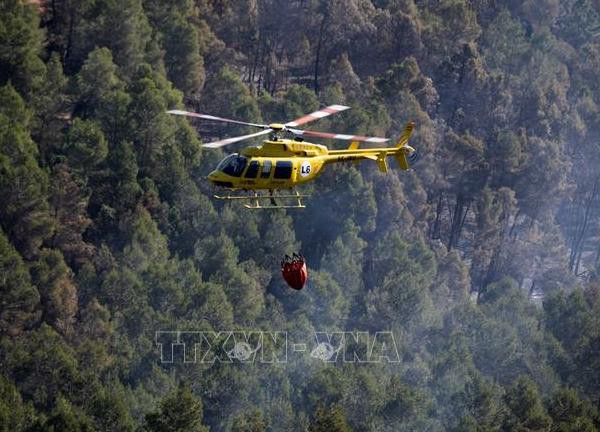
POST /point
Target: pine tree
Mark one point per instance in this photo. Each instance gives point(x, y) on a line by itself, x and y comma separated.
point(24, 185)
point(526, 411)
point(57, 289)
point(85, 146)
point(96, 84)
point(69, 208)
point(124, 29)
point(180, 411)
point(66, 417)
point(571, 413)
point(330, 419)
point(21, 42)
point(14, 414)
point(250, 422)
point(224, 86)
point(20, 299)
point(52, 105)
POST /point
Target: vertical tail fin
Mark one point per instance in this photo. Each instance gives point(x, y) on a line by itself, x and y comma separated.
point(382, 163)
point(402, 161)
point(401, 156)
point(406, 134)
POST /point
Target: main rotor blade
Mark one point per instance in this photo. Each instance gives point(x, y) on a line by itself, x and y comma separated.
point(210, 117)
point(331, 109)
point(224, 142)
point(338, 136)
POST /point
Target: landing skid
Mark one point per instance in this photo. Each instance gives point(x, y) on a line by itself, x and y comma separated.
point(255, 198)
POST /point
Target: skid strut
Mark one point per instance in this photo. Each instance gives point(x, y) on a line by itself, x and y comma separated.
point(255, 199)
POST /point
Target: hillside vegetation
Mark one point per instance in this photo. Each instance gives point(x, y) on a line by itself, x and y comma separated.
point(484, 260)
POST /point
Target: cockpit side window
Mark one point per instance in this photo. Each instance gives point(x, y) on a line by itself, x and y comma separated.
point(233, 165)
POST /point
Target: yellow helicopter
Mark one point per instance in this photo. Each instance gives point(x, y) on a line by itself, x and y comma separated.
point(283, 163)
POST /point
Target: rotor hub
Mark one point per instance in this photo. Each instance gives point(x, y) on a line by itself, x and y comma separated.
point(277, 126)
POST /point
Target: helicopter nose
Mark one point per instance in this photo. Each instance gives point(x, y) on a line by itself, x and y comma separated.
point(217, 179)
point(213, 176)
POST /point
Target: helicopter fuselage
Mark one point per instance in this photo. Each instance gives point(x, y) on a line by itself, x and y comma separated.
point(279, 164)
point(284, 163)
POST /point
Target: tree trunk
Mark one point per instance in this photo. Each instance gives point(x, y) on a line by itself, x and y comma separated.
point(458, 220)
point(318, 53)
point(579, 242)
point(435, 229)
point(532, 288)
point(512, 233)
point(68, 48)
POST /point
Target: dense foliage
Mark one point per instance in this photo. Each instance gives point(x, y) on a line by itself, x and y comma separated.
point(484, 260)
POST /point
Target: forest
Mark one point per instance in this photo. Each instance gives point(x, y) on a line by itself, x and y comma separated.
point(483, 259)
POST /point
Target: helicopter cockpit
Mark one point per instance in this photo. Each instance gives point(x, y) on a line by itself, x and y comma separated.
point(233, 165)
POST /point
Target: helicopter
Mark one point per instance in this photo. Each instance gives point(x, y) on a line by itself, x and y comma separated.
point(283, 163)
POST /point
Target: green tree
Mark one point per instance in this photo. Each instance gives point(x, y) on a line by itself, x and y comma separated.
point(526, 410)
point(571, 413)
point(152, 131)
point(447, 25)
point(504, 43)
point(109, 409)
point(96, 82)
point(20, 299)
point(57, 289)
point(331, 419)
point(24, 214)
point(343, 259)
point(225, 95)
point(46, 367)
point(327, 303)
point(14, 414)
point(480, 405)
point(402, 273)
point(69, 207)
point(249, 422)
point(117, 192)
point(124, 29)
point(66, 417)
point(21, 42)
point(403, 407)
point(184, 38)
point(179, 411)
point(52, 107)
point(85, 146)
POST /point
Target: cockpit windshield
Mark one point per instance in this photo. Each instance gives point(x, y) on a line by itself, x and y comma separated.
point(233, 165)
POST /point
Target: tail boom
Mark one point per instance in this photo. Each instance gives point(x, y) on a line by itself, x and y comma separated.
point(400, 152)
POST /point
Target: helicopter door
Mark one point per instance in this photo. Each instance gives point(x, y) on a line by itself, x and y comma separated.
point(252, 170)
